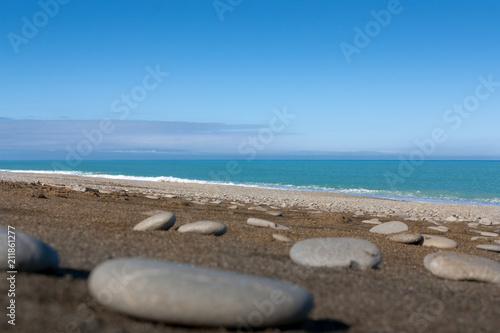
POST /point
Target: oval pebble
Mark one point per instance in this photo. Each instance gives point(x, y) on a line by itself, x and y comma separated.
point(204, 228)
point(185, 295)
point(377, 222)
point(265, 224)
point(389, 228)
point(162, 221)
point(489, 247)
point(439, 242)
point(336, 252)
point(407, 238)
point(457, 266)
point(283, 238)
point(439, 228)
point(32, 255)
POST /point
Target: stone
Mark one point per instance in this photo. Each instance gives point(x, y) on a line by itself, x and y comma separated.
point(265, 224)
point(193, 296)
point(372, 221)
point(336, 252)
point(216, 202)
point(204, 228)
point(478, 237)
point(258, 208)
point(484, 221)
point(275, 213)
point(233, 207)
point(439, 228)
point(457, 266)
point(451, 219)
point(199, 203)
point(489, 247)
point(486, 233)
point(162, 221)
point(473, 224)
point(283, 238)
point(389, 228)
point(171, 196)
point(439, 242)
point(152, 197)
point(407, 238)
point(32, 255)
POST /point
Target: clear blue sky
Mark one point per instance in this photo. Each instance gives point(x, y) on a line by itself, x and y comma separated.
point(229, 67)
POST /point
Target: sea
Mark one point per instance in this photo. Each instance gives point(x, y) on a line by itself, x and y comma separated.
point(464, 182)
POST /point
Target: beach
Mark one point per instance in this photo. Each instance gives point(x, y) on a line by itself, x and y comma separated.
point(88, 220)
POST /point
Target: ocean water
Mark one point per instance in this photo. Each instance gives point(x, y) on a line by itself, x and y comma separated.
point(468, 182)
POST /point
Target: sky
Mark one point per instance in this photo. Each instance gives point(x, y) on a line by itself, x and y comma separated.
point(250, 79)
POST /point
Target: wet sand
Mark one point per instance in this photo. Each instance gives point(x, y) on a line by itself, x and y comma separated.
point(89, 227)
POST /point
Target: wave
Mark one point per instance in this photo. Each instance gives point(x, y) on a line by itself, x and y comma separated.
point(386, 194)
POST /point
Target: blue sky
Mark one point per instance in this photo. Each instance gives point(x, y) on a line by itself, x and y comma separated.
point(359, 79)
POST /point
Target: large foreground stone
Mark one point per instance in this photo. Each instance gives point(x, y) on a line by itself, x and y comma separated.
point(386, 228)
point(193, 296)
point(31, 254)
point(204, 228)
point(162, 221)
point(456, 266)
point(336, 252)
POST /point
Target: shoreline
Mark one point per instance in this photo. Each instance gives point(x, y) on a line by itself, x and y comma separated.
point(283, 198)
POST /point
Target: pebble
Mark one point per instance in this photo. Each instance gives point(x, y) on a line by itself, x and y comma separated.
point(204, 228)
point(389, 228)
point(439, 242)
point(478, 237)
point(484, 221)
point(497, 241)
point(265, 224)
point(456, 266)
point(233, 207)
point(439, 228)
point(283, 238)
point(336, 252)
point(451, 219)
point(199, 203)
point(486, 233)
point(162, 221)
point(260, 209)
point(216, 202)
point(32, 255)
point(152, 197)
point(473, 224)
point(489, 247)
point(194, 296)
point(275, 213)
point(171, 196)
point(372, 221)
point(407, 238)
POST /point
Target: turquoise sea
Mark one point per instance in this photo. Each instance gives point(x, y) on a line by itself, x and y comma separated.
point(469, 182)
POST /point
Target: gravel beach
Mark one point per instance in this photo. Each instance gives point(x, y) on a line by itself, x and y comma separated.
point(90, 220)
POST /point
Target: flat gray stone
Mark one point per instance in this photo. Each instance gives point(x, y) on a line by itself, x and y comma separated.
point(162, 221)
point(258, 208)
point(275, 213)
point(283, 238)
point(439, 242)
point(413, 238)
point(336, 252)
point(451, 219)
point(193, 296)
point(489, 247)
point(201, 203)
point(204, 228)
point(457, 266)
point(265, 224)
point(377, 222)
point(171, 196)
point(32, 255)
point(439, 228)
point(486, 233)
point(386, 228)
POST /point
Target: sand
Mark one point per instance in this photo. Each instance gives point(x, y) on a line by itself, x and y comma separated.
point(89, 227)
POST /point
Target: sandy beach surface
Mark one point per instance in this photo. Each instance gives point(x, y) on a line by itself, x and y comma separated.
point(90, 220)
